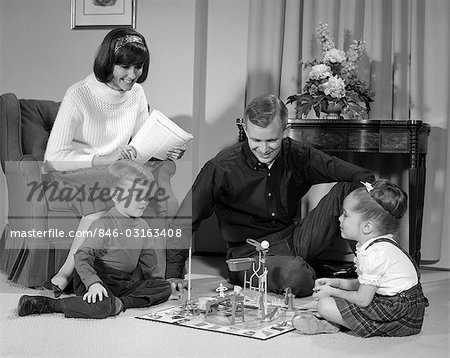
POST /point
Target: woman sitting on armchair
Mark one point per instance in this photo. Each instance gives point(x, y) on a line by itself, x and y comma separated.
point(97, 118)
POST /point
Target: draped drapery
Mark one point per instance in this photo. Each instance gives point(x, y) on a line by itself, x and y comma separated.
point(406, 62)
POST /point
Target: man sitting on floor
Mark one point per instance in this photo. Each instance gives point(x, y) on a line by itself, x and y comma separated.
point(255, 188)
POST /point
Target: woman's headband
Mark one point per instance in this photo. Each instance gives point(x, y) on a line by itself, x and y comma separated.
point(122, 41)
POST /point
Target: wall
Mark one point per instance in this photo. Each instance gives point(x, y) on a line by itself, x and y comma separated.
point(221, 72)
point(40, 56)
point(197, 74)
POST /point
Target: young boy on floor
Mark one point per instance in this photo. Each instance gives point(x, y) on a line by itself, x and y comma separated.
point(115, 264)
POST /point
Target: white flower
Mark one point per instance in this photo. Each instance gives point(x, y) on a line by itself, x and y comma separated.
point(333, 78)
point(335, 87)
point(319, 72)
point(334, 56)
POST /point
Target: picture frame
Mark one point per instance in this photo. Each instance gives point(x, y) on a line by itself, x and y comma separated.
point(103, 13)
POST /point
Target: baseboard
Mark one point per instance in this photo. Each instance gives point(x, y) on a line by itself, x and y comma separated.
point(434, 268)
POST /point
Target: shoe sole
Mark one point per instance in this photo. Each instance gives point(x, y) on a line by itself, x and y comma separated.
point(50, 286)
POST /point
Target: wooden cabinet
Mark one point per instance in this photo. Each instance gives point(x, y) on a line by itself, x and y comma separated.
point(373, 136)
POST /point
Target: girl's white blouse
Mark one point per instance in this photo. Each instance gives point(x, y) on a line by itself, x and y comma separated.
point(385, 266)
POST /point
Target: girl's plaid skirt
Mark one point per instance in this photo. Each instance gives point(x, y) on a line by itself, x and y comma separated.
point(394, 316)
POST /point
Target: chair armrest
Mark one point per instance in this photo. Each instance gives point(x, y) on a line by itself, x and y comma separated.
point(163, 174)
point(27, 199)
point(10, 143)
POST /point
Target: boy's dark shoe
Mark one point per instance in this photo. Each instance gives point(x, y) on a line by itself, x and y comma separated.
point(49, 285)
point(34, 305)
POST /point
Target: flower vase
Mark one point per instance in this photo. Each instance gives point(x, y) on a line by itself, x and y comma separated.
point(333, 110)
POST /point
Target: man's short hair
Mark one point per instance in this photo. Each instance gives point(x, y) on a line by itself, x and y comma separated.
point(262, 110)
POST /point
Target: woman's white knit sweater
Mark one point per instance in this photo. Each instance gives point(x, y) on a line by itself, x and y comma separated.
point(94, 120)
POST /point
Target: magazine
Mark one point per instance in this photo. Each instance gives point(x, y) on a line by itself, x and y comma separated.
point(158, 135)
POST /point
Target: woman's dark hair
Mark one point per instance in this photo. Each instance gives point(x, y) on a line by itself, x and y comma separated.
point(115, 49)
point(385, 205)
point(262, 110)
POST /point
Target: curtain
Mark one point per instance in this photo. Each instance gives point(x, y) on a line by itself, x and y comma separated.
point(406, 62)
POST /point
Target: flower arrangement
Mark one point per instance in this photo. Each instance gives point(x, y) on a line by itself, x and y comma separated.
point(333, 83)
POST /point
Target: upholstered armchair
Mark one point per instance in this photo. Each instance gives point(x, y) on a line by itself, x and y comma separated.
point(26, 258)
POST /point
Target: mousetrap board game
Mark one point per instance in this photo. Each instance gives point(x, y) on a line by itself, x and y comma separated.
point(247, 311)
point(220, 322)
point(216, 313)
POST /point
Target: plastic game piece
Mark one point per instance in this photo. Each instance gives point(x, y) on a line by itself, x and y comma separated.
point(221, 289)
point(189, 273)
point(237, 289)
point(287, 291)
point(237, 299)
point(202, 301)
point(190, 306)
point(258, 273)
point(240, 264)
point(291, 302)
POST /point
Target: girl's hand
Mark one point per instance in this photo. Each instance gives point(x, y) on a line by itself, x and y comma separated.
point(95, 290)
point(322, 291)
point(324, 281)
point(176, 152)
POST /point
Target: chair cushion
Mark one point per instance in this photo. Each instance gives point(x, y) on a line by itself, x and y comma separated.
point(37, 121)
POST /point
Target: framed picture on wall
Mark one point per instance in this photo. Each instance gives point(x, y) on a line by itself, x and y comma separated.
point(103, 13)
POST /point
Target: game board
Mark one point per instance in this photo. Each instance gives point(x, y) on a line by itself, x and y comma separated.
point(249, 311)
point(252, 327)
